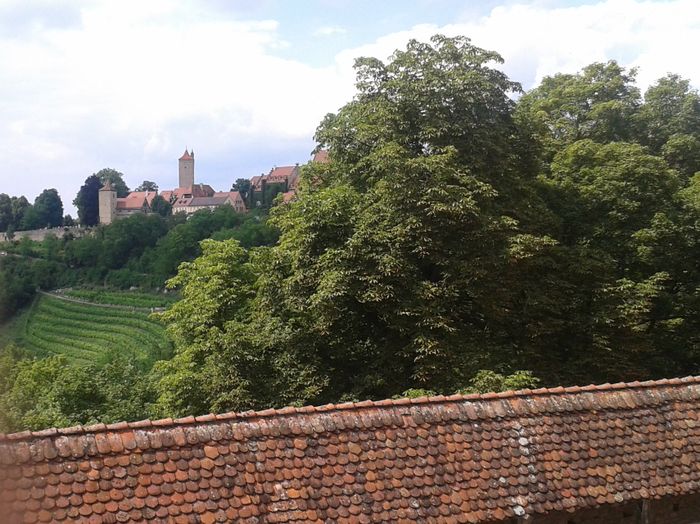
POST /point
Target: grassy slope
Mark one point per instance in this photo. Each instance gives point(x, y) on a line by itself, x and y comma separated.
point(88, 333)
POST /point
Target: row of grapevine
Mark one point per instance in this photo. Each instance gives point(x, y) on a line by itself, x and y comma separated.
point(123, 298)
point(87, 333)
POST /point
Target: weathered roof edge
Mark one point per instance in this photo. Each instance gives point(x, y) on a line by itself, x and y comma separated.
point(347, 406)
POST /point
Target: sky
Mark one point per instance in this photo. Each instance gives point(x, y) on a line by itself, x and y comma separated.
point(88, 84)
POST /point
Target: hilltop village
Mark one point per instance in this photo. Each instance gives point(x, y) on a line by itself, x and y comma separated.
point(189, 196)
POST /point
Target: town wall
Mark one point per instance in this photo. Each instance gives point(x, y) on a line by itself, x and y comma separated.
point(40, 234)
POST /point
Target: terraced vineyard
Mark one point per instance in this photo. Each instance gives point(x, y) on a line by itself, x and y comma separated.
point(123, 298)
point(89, 333)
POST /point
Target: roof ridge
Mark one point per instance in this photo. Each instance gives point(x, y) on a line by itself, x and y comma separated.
point(347, 406)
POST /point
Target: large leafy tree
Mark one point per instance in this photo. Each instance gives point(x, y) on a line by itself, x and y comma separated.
point(47, 210)
point(20, 206)
point(384, 274)
point(87, 201)
point(224, 362)
point(161, 206)
point(147, 185)
point(671, 107)
point(116, 178)
point(598, 103)
point(6, 217)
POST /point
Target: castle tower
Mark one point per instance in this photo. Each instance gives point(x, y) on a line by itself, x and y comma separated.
point(107, 203)
point(186, 169)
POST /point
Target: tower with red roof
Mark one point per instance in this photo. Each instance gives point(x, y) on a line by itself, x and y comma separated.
point(186, 169)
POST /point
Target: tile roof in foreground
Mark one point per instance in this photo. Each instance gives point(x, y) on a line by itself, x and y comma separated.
point(475, 458)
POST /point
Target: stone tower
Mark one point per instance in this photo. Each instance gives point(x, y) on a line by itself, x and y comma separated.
point(108, 203)
point(186, 171)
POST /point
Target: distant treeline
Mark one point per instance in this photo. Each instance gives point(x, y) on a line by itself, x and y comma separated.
point(17, 214)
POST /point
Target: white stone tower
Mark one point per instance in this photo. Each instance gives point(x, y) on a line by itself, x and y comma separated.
point(186, 169)
point(108, 203)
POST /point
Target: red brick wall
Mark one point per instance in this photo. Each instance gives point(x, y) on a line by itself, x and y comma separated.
point(669, 510)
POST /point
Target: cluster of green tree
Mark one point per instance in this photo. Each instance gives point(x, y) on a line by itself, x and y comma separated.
point(87, 201)
point(51, 392)
point(17, 214)
point(140, 251)
point(263, 198)
point(457, 229)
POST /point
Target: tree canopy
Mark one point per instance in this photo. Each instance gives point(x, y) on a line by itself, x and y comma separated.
point(147, 185)
point(87, 201)
point(460, 238)
point(455, 231)
point(116, 178)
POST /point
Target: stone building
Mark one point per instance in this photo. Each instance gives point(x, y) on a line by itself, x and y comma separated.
point(186, 169)
point(189, 197)
point(264, 188)
point(191, 204)
point(609, 454)
point(111, 207)
point(107, 203)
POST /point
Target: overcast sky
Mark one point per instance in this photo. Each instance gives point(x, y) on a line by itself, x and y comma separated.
point(87, 84)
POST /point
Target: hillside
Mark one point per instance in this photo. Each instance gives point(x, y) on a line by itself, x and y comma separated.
point(87, 333)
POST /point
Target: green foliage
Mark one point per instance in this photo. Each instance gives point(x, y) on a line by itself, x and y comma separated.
point(596, 104)
point(455, 231)
point(129, 298)
point(161, 206)
point(242, 185)
point(36, 394)
point(486, 381)
point(115, 178)
point(670, 108)
point(47, 211)
point(455, 236)
point(147, 185)
point(87, 201)
point(415, 393)
point(16, 214)
point(6, 216)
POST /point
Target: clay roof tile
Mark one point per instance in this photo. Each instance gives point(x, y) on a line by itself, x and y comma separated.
point(486, 458)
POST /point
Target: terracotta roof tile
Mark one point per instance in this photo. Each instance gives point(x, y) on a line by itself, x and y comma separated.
point(136, 200)
point(278, 175)
point(473, 458)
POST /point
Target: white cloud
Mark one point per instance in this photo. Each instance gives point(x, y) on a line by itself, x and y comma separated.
point(330, 30)
point(133, 83)
point(537, 40)
point(129, 84)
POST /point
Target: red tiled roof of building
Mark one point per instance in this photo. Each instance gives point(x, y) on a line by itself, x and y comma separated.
point(235, 196)
point(282, 172)
point(201, 190)
point(473, 458)
point(136, 200)
point(278, 175)
point(167, 194)
point(187, 156)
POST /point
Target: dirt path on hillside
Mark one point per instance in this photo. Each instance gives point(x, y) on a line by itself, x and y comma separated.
point(75, 300)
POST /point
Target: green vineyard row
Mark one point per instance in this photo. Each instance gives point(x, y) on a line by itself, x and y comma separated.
point(87, 333)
